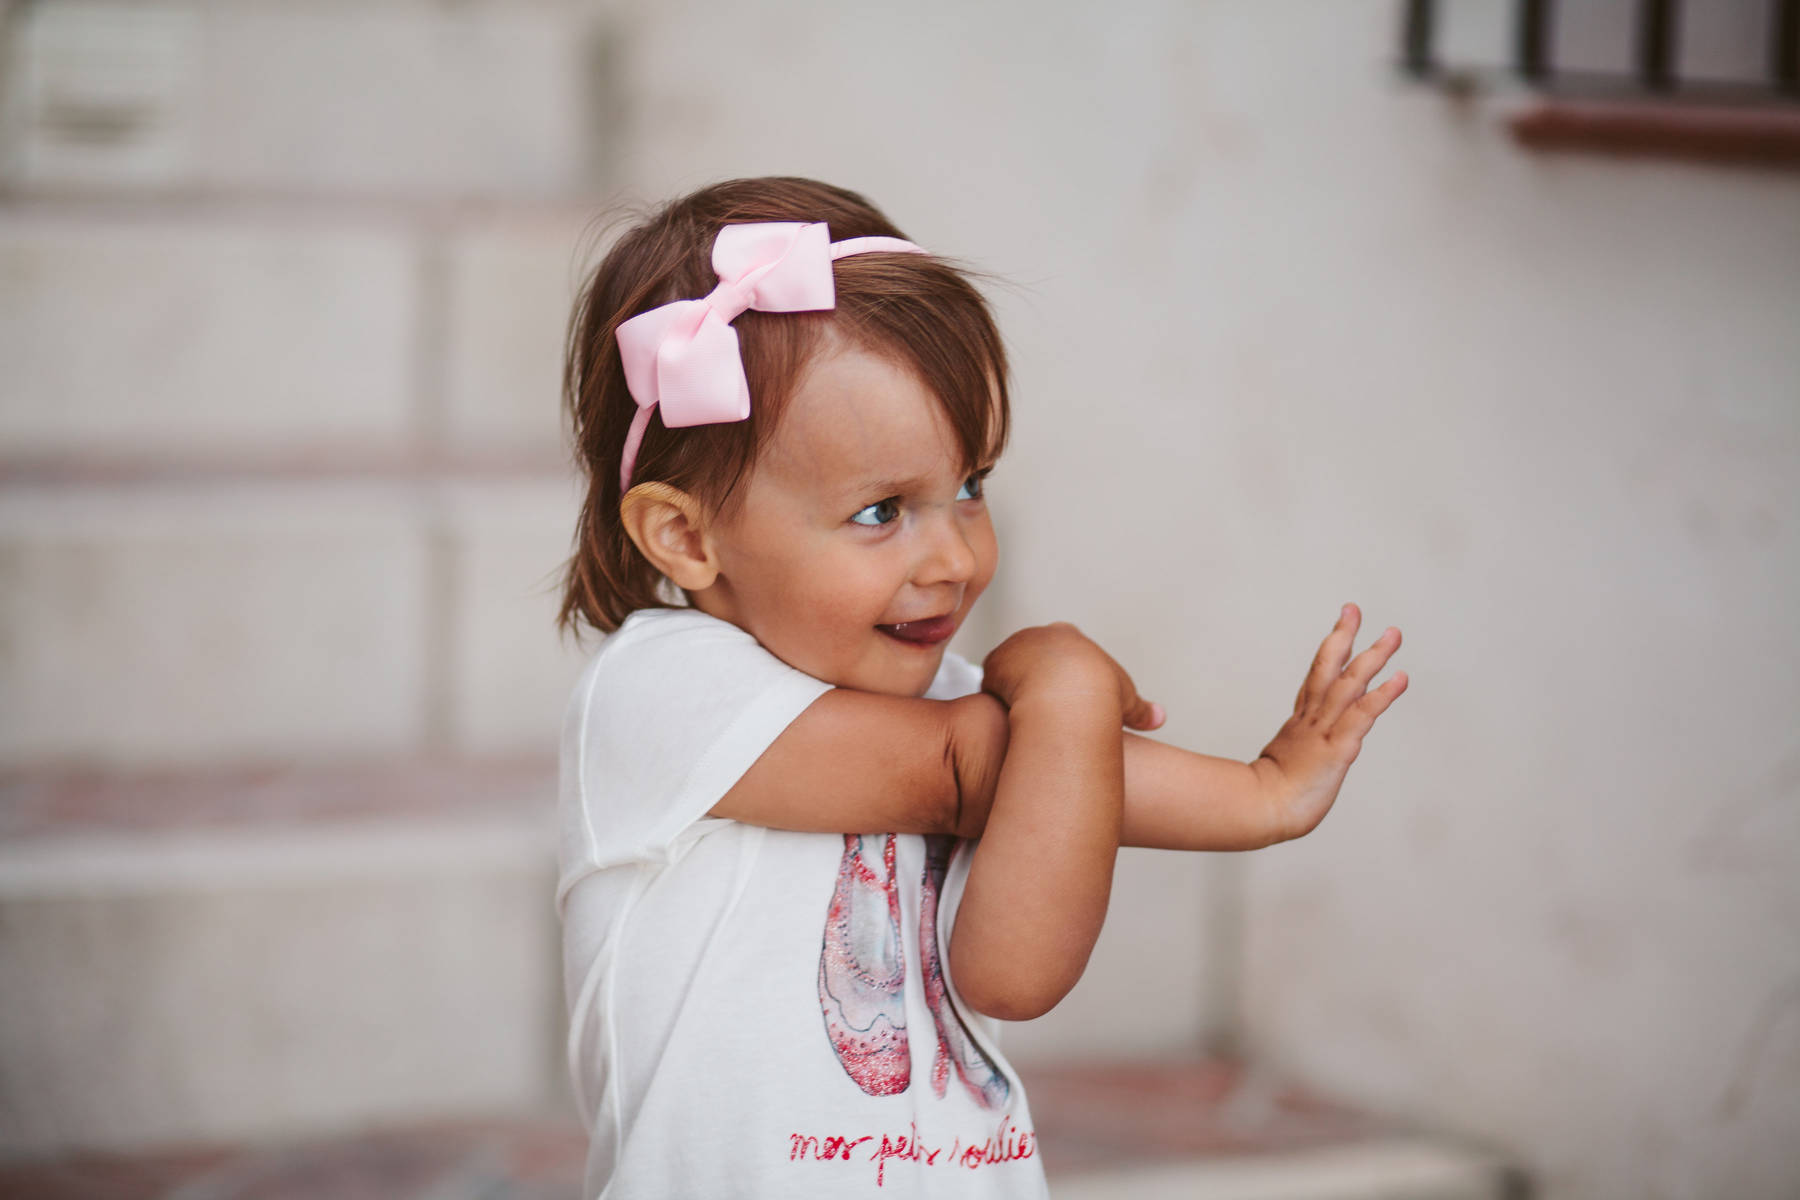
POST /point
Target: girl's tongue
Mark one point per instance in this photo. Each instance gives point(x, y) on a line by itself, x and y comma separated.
point(921, 633)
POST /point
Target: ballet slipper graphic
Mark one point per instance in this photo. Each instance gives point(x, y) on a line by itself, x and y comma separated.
point(862, 971)
point(954, 1044)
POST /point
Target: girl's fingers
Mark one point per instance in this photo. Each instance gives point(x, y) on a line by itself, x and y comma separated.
point(1139, 713)
point(1147, 715)
point(1366, 665)
point(1361, 717)
point(1135, 712)
point(1328, 663)
point(1355, 680)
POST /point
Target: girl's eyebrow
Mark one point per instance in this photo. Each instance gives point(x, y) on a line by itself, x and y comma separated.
point(889, 486)
point(884, 486)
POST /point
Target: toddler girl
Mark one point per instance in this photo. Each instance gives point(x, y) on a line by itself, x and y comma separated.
point(807, 855)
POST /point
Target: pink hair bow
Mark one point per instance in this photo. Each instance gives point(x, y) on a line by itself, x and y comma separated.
point(684, 355)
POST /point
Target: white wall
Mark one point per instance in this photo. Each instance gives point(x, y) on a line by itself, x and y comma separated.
point(1292, 333)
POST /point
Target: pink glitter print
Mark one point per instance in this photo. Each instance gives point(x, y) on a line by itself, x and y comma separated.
point(954, 1045)
point(862, 971)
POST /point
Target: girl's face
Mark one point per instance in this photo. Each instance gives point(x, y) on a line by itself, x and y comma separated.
point(856, 519)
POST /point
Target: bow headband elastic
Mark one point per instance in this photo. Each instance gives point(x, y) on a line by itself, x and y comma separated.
point(684, 355)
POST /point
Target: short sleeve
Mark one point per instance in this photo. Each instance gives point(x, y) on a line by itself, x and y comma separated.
point(668, 715)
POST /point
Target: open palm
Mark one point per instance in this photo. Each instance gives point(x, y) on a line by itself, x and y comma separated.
point(1303, 766)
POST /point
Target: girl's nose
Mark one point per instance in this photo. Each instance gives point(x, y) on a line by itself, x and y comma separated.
point(949, 556)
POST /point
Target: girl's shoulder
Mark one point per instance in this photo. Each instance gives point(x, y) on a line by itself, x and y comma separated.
point(671, 711)
point(664, 622)
point(659, 633)
point(666, 661)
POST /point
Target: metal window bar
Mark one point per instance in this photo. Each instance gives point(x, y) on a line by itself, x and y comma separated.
point(1531, 41)
point(1656, 44)
point(1784, 50)
point(1656, 30)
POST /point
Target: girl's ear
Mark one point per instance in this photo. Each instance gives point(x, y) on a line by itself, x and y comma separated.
point(670, 529)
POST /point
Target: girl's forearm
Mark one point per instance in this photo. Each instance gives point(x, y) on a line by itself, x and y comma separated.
point(1175, 799)
point(1042, 873)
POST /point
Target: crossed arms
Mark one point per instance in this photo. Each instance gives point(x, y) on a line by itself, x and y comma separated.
point(1039, 767)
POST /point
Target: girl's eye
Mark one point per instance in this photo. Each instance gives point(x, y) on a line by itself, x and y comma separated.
point(884, 511)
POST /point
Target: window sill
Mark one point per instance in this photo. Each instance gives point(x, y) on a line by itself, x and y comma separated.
point(1764, 136)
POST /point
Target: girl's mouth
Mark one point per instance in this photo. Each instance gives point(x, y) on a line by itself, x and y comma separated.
point(929, 632)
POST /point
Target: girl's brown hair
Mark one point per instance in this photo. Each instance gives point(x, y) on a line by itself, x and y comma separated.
point(918, 309)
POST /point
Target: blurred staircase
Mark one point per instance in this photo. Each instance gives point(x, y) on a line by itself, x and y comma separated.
point(259, 955)
point(283, 495)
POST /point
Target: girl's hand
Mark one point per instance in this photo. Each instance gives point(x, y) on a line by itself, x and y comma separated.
point(1301, 770)
point(1059, 655)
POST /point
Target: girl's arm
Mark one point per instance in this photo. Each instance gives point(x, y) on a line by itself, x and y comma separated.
point(859, 762)
point(1176, 799)
point(1071, 788)
point(856, 762)
point(1042, 873)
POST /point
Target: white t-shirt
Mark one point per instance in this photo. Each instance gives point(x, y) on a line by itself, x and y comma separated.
point(756, 1012)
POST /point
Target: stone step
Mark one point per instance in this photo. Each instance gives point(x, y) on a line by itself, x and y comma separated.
point(1389, 1169)
point(1202, 1129)
point(248, 981)
point(486, 100)
point(168, 625)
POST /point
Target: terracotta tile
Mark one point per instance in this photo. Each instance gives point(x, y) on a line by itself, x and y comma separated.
point(480, 1160)
point(1107, 1114)
point(55, 803)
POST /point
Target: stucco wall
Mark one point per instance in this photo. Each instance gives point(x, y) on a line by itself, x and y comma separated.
point(1290, 333)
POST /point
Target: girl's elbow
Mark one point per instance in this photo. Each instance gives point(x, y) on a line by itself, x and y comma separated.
point(976, 736)
point(1012, 995)
point(1014, 1008)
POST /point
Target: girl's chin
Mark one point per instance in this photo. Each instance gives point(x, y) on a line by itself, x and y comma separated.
point(913, 679)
